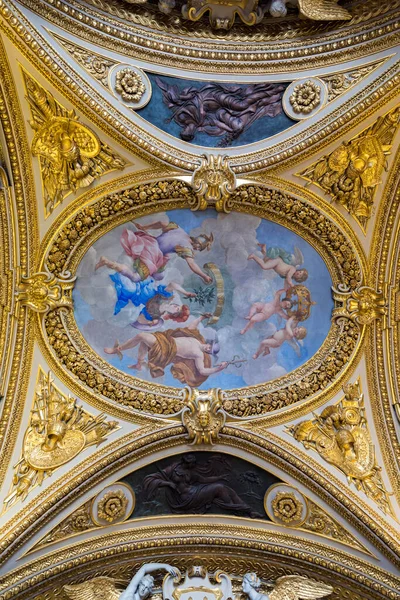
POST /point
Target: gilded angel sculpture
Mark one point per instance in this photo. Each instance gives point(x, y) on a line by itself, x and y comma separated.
point(104, 588)
point(289, 587)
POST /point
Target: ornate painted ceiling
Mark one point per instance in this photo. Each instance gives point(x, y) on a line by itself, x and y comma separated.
point(199, 284)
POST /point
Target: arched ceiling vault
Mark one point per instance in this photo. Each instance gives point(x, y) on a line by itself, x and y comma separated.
point(115, 115)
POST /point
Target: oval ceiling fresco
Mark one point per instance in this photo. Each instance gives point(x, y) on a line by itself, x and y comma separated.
point(203, 299)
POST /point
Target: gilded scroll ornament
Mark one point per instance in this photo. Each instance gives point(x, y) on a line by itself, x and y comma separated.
point(321, 522)
point(339, 83)
point(222, 13)
point(213, 182)
point(287, 506)
point(340, 435)
point(78, 521)
point(203, 417)
point(43, 291)
point(59, 429)
point(364, 304)
point(114, 504)
point(351, 173)
point(96, 65)
point(71, 155)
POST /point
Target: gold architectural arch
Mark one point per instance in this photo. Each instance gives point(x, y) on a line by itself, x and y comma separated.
point(151, 440)
point(383, 344)
point(234, 548)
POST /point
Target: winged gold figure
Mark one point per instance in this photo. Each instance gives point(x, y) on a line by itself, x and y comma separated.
point(99, 588)
point(105, 588)
point(341, 437)
point(288, 587)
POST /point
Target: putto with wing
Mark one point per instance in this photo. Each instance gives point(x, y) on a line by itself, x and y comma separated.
point(288, 587)
point(196, 584)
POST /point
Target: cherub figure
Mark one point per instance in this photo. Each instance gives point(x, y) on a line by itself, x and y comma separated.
point(285, 264)
point(288, 586)
point(290, 333)
point(142, 584)
point(262, 311)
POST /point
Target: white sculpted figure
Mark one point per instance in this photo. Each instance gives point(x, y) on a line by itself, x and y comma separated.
point(289, 587)
point(103, 588)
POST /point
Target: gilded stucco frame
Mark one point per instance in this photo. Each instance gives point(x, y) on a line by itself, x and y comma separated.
point(75, 362)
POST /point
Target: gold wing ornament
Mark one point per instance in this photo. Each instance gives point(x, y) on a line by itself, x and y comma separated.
point(296, 587)
point(98, 588)
point(359, 460)
point(323, 10)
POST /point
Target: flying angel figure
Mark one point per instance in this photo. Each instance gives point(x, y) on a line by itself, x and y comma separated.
point(284, 263)
point(289, 587)
point(291, 333)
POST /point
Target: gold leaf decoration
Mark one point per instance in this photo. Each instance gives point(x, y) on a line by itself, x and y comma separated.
point(341, 82)
point(77, 522)
point(71, 155)
point(59, 429)
point(287, 507)
point(112, 507)
point(213, 182)
point(341, 437)
point(43, 291)
point(351, 173)
point(96, 65)
point(364, 305)
point(129, 85)
point(305, 97)
point(203, 417)
point(319, 521)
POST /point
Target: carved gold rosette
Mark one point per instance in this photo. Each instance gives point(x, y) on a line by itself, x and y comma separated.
point(78, 364)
